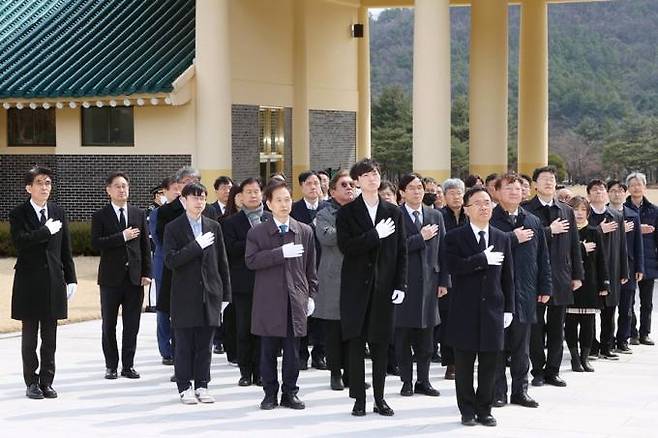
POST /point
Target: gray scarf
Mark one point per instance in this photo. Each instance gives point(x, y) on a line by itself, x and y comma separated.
point(254, 215)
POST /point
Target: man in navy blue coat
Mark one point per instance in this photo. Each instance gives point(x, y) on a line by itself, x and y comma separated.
point(479, 259)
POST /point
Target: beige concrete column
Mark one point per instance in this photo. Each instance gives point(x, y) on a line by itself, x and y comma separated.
point(431, 89)
point(363, 125)
point(213, 90)
point(488, 87)
point(533, 86)
point(301, 154)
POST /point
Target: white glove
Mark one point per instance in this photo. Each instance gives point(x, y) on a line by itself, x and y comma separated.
point(385, 228)
point(507, 319)
point(398, 297)
point(224, 305)
point(310, 307)
point(70, 290)
point(494, 258)
point(206, 239)
point(292, 250)
point(53, 226)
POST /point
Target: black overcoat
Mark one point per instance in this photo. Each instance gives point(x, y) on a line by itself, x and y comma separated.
point(596, 272)
point(634, 246)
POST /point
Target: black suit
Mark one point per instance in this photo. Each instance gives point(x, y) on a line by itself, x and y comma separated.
point(121, 268)
point(44, 266)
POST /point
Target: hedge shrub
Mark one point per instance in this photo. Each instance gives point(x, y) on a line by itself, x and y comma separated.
point(80, 239)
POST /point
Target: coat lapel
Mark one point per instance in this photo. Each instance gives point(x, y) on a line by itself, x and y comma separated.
point(363, 217)
point(32, 217)
point(470, 237)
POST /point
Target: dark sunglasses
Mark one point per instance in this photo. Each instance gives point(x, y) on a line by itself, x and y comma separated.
point(346, 184)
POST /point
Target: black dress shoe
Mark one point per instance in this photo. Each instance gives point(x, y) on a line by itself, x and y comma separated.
point(646, 340)
point(406, 390)
point(48, 391)
point(303, 365)
point(537, 381)
point(219, 349)
point(382, 408)
point(555, 381)
point(359, 409)
point(244, 381)
point(319, 364)
point(336, 382)
point(393, 371)
point(167, 361)
point(436, 357)
point(173, 378)
point(499, 402)
point(623, 349)
point(111, 373)
point(130, 373)
point(34, 392)
point(486, 420)
point(609, 355)
point(291, 401)
point(523, 399)
point(450, 373)
point(269, 403)
point(468, 420)
point(257, 380)
point(634, 341)
point(426, 389)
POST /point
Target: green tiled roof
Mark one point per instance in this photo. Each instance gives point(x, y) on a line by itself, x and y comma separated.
point(75, 48)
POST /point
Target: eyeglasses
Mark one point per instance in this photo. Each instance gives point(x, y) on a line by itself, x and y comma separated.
point(346, 184)
point(480, 204)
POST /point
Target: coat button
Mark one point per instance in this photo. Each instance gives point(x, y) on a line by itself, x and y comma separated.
point(484, 299)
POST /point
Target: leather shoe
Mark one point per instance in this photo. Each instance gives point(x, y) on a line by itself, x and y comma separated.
point(436, 357)
point(319, 364)
point(382, 408)
point(468, 421)
point(219, 349)
point(486, 420)
point(244, 381)
point(258, 381)
point(167, 361)
point(623, 349)
point(646, 340)
point(634, 341)
point(336, 382)
point(555, 381)
point(537, 381)
point(173, 378)
point(426, 389)
point(111, 373)
point(499, 402)
point(34, 392)
point(130, 373)
point(48, 391)
point(609, 355)
point(393, 370)
point(269, 403)
point(359, 409)
point(450, 373)
point(406, 390)
point(291, 401)
point(523, 399)
point(303, 365)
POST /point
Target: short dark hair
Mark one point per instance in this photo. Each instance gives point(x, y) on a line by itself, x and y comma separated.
point(167, 182)
point(491, 177)
point(251, 180)
point(472, 191)
point(114, 175)
point(364, 166)
point(222, 180)
point(595, 182)
point(538, 171)
point(526, 177)
point(194, 189)
point(616, 182)
point(406, 179)
point(323, 172)
point(472, 181)
point(306, 175)
point(35, 171)
point(508, 178)
point(577, 201)
point(273, 186)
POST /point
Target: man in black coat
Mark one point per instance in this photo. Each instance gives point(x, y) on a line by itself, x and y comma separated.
point(200, 288)
point(304, 211)
point(532, 284)
point(371, 235)
point(44, 279)
point(566, 273)
point(120, 233)
point(235, 229)
point(479, 259)
point(427, 280)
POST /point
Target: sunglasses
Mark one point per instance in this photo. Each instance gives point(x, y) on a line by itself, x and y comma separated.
point(346, 184)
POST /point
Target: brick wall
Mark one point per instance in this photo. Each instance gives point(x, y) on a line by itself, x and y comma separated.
point(79, 179)
point(333, 139)
point(245, 144)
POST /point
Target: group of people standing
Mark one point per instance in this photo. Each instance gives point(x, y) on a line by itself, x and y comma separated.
point(416, 272)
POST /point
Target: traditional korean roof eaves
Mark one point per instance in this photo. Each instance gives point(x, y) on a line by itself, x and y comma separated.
point(75, 48)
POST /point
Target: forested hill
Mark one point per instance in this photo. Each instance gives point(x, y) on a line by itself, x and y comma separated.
point(603, 67)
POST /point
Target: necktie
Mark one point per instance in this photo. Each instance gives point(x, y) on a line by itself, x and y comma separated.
point(482, 243)
point(417, 222)
point(42, 220)
point(512, 219)
point(283, 228)
point(312, 212)
point(122, 219)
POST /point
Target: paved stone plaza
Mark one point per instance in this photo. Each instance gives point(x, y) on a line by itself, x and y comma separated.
point(619, 400)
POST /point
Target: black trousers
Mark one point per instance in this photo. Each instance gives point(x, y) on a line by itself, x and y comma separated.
point(269, 348)
point(421, 339)
point(625, 313)
point(356, 358)
point(646, 307)
point(579, 328)
point(316, 336)
point(517, 346)
point(29, 338)
point(447, 353)
point(130, 298)
point(550, 321)
point(470, 401)
point(193, 356)
point(227, 333)
point(607, 343)
point(337, 349)
point(248, 345)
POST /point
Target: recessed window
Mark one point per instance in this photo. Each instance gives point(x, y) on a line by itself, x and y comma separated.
point(108, 126)
point(31, 127)
point(271, 125)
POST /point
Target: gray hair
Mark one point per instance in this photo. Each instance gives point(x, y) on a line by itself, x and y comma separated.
point(186, 171)
point(453, 183)
point(637, 175)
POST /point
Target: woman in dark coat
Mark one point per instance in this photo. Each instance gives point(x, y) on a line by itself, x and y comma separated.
point(587, 300)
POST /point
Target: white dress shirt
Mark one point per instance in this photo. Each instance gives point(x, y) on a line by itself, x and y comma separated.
point(118, 213)
point(38, 209)
point(411, 213)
